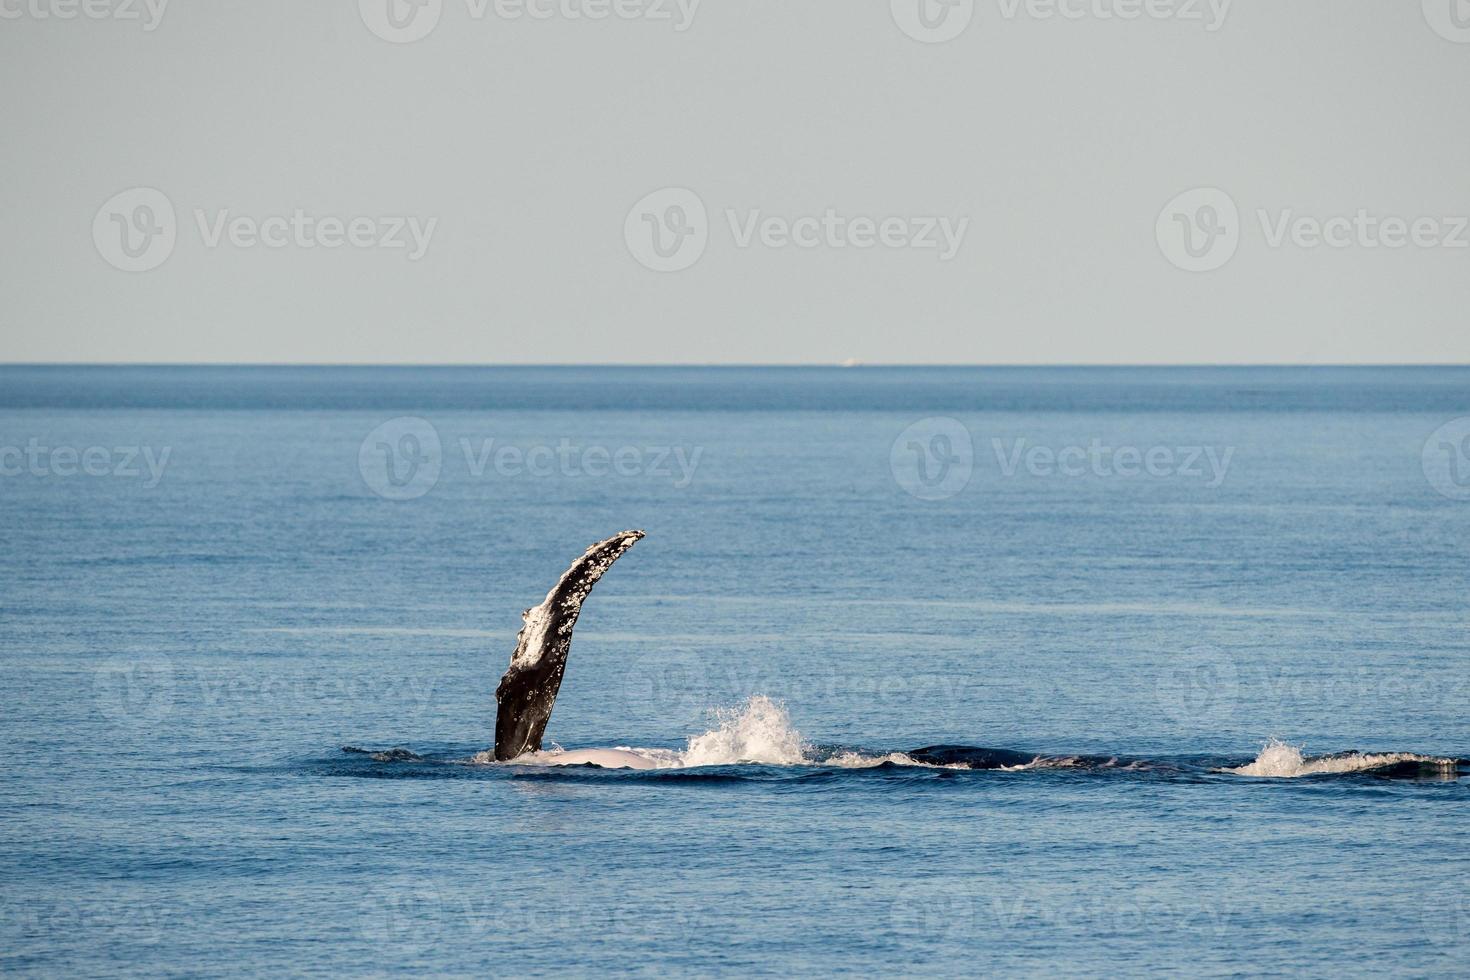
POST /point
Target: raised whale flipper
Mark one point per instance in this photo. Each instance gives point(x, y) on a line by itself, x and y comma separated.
point(528, 689)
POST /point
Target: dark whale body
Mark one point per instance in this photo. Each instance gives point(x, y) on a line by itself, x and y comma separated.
point(972, 756)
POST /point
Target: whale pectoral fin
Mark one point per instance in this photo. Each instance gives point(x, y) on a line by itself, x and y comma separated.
point(526, 694)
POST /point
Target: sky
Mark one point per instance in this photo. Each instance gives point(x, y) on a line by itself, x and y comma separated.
point(767, 181)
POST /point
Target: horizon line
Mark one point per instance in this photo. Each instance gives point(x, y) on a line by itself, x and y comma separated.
point(850, 366)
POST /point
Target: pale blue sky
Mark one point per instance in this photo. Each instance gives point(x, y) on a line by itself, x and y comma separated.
point(1048, 146)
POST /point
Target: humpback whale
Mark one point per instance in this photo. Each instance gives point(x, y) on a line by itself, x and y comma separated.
point(527, 692)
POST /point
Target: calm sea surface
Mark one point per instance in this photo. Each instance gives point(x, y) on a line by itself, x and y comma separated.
point(214, 579)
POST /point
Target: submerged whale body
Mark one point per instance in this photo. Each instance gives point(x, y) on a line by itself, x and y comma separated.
point(601, 758)
point(971, 757)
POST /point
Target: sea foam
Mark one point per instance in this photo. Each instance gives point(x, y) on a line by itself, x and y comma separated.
point(758, 731)
point(1279, 759)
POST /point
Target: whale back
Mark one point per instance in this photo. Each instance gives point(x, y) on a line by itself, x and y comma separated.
point(527, 692)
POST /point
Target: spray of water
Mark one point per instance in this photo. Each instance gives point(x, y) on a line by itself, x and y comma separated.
point(758, 731)
point(1281, 760)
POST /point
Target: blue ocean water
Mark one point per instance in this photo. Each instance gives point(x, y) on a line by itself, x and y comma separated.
point(217, 578)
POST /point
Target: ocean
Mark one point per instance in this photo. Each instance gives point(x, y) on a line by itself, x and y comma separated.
point(1221, 611)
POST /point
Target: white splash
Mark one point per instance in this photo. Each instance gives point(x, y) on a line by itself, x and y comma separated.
point(1045, 762)
point(1280, 760)
point(756, 732)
